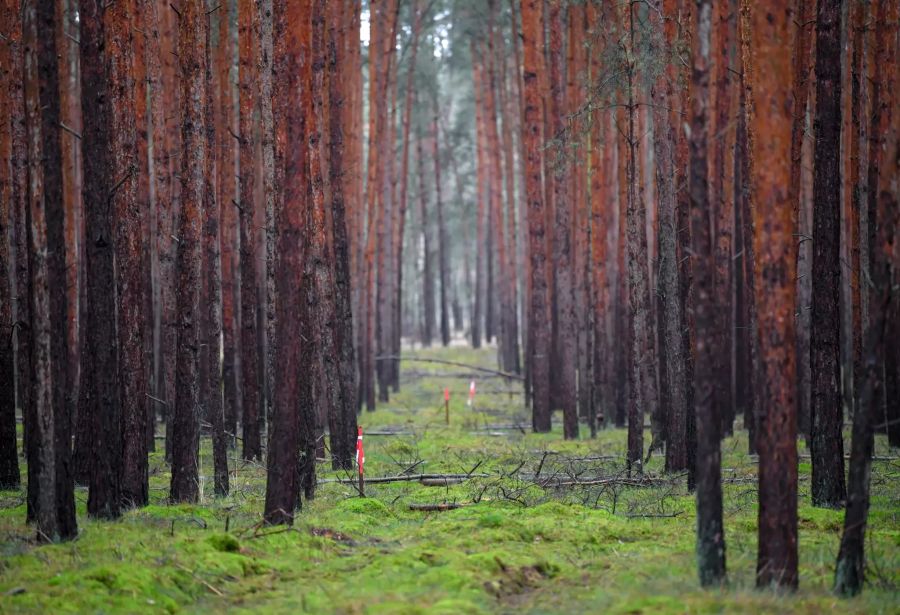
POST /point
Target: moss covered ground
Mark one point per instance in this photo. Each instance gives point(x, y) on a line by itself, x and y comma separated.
point(510, 546)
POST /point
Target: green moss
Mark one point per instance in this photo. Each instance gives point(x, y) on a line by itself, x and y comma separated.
point(511, 547)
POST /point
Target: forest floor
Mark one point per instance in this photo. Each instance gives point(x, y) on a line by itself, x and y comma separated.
point(524, 538)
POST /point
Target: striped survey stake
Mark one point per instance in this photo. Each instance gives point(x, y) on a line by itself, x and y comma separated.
point(471, 393)
point(360, 454)
point(360, 460)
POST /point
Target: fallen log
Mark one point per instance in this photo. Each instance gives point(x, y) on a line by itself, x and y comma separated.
point(440, 482)
point(402, 478)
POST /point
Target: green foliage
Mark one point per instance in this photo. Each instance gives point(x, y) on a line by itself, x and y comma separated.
point(533, 550)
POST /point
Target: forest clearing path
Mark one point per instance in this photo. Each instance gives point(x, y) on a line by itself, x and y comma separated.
point(541, 525)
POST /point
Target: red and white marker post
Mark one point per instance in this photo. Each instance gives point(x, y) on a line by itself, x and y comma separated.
point(471, 401)
point(360, 461)
point(447, 404)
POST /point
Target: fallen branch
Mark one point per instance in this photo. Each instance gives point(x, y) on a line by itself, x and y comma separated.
point(402, 478)
point(441, 482)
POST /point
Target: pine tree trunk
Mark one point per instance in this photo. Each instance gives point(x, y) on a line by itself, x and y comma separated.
point(509, 128)
point(638, 285)
point(443, 243)
point(99, 407)
point(251, 399)
point(669, 285)
point(19, 174)
point(9, 461)
point(802, 45)
point(428, 265)
point(827, 415)
point(192, 25)
point(768, 66)
point(51, 444)
point(539, 312)
point(710, 531)
point(160, 203)
point(211, 332)
point(883, 220)
point(480, 196)
point(722, 199)
point(169, 216)
point(227, 197)
point(339, 31)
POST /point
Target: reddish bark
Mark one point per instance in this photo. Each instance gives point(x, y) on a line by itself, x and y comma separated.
point(186, 413)
point(227, 195)
point(251, 382)
point(539, 313)
point(99, 408)
point(767, 63)
point(290, 461)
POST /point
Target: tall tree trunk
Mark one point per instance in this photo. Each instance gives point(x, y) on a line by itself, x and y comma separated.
point(504, 274)
point(480, 196)
point(103, 165)
point(270, 192)
point(159, 199)
point(251, 400)
point(883, 220)
point(9, 461)
point(539, 312)
point(428, 265)
point(511, 119)
point(564, 337)
point(169, 216)
point(710, 531)
point(228, 196)
point(290, 456)
point(185, 484)
point(24, 342)
point(671, 313)
point(340, 30)
point(50, 424)
point(384, 298)
point(802, 46)
point(70, 116)
point(211, 337)
point(324, 309)
point(852, 177)
point(827, 415)
point(722, 199)
point(768, 66)
point(129, 257)
point(443, 242)
point(638, 285)
point(601, 221)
